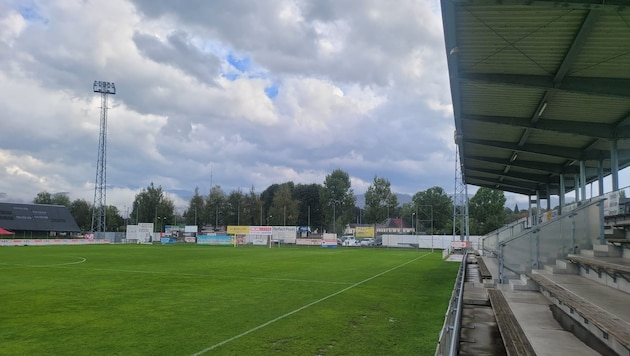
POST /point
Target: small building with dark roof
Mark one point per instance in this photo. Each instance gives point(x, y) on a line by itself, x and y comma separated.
point(27, 220)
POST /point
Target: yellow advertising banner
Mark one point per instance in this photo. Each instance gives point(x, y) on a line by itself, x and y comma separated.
point(364, 231)
point(237, 230)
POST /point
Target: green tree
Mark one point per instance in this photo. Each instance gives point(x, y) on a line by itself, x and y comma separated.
point(338, 201)
point(61, 199)
point(81, 210)
point(284, 209)
point(113, 219)
point(267, 199)
point(487, 212)
point(310, 212)
point(432, 208)
point(380, 202)
point(252, 209)
point(152, 206)
point(235, 203)
point(195, 207)
point(215, 207)
point(43, 197)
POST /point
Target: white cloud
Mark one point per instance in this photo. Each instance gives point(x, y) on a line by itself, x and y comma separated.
point(356, 85)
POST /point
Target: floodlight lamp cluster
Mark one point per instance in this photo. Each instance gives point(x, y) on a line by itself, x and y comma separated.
point(104, 87)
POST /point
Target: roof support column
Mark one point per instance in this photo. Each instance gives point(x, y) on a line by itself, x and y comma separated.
point(548, 197)
point(600, 177)
point(614, 165)
point(530, 218)
point(561, 194)
point(576, 187)
point(583, 180)
point(538, 211)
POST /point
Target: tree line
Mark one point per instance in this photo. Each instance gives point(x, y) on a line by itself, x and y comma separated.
point(327, 207)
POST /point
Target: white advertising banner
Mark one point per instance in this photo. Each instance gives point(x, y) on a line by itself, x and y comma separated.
point(142, 233)
point(285, 233)
point(261, 230)
point(190, 228)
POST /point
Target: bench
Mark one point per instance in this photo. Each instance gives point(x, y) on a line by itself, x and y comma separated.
point(605, 321)
point(619, 242)
point(514, 339)
point(612, 269)
point(484, 272)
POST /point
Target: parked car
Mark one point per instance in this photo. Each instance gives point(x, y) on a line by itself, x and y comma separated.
point(367, 242)
point(378, 241)
point(350, 242)
point(342, 239)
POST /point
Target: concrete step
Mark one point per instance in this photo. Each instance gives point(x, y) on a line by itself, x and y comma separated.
point(523, 283)
point(593, 253)
point(609, 249)
point(532, 310)
point(563, 267)
point(599, 312)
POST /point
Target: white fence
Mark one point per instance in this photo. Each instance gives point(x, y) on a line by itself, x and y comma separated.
point(426, 241)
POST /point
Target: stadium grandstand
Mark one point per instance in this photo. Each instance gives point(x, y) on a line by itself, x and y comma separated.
point(37, 220)
point(540, 93)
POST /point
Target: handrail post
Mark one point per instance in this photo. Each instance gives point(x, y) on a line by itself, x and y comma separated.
point(573, 246)
point(602, 237)
point(501, 263)
point(536, 263)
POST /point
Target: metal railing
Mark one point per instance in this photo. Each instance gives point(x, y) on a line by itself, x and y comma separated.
point(448, 343)
point(545, 243)
point(490, 242)
point(615, 203)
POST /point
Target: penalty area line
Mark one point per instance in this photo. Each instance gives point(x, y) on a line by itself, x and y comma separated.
point(80, 260)
point(210, 348)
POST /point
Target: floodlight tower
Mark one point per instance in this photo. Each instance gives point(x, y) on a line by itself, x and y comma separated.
point(100, 184)
point(460, 197)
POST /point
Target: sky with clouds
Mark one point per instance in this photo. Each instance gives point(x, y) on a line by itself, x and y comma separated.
point(232, 93)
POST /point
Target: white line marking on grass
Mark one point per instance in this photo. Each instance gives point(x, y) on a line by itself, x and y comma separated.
point(304, 307)
point(211, 275)
point(81, 260)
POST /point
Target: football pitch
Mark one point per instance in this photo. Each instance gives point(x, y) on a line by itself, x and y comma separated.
point(194, 300)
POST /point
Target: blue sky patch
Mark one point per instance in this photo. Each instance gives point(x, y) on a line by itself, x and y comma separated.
point(30, 12)
point(272, 91)
point(231, 76)
point(242, 64)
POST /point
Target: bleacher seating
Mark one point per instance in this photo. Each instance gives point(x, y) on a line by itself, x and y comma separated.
point(612, 269)
point(484, 272)
point(609, 325)
point(514, 339)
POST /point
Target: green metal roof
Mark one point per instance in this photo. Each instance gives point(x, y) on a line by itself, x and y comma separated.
point(538, 86)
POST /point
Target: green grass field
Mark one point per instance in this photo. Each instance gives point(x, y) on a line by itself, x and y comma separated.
point(187, 300)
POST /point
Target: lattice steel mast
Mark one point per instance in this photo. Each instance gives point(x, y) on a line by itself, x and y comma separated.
point(460, 198)
point(100, 183)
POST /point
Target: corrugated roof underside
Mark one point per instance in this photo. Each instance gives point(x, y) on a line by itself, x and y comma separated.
point(533, 42)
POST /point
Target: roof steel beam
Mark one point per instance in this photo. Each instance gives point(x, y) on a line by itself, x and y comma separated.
point(612, 87)
point(517, 187)
point(528, 177)
point(531, 165)
point(576, 46)
point(588, 129)
point(548, 150)
point(608, 5)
